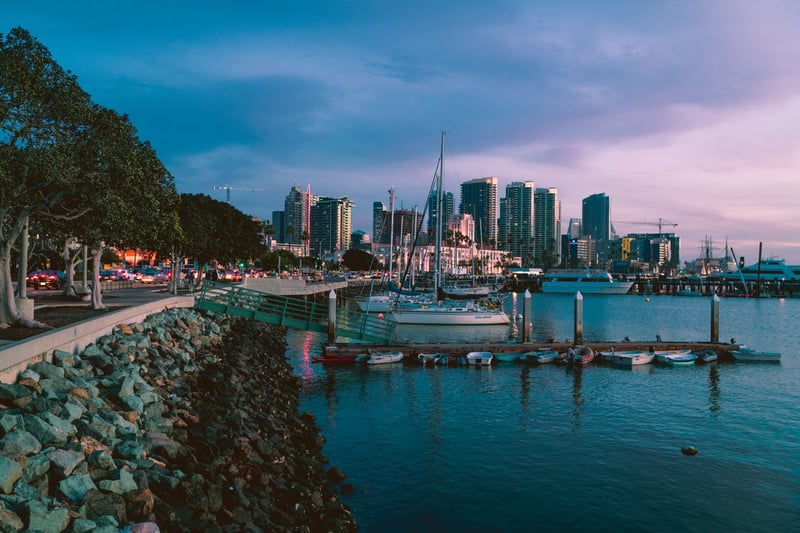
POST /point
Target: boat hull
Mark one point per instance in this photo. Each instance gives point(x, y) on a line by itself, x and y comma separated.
point(385, 358)
point(445, 316)
point(571, 287)
point(479, 358)
point(753, 356)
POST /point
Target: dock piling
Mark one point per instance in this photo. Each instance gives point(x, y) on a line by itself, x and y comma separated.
point(578, 336)
point(332, 317)
point(715, 318)
point(526, 317)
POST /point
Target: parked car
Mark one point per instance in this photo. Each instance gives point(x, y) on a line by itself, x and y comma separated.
point(46, 279)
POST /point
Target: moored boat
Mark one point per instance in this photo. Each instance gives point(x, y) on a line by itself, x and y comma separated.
point(384, 358)
point(582, 355)
point(706, 356)
point(343, 359)
point(479, 358)
point(587, 281)
point(632, 358)
point(663, 355)
point(428, 358)
point(507, 357)
point(539, 357)
point(681, 359)
point(745, 353)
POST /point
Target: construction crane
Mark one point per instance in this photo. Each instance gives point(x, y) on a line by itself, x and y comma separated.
point(229, 188)
point(661, 222)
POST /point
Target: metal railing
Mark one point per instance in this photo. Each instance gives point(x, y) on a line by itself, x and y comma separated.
point(292, 312)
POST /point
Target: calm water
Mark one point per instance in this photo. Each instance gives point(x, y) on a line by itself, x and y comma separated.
point(518, 448)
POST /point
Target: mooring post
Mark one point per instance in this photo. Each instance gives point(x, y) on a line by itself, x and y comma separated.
point(578, 318)
point(526, 317)
point(332, 317)
point(715, 318)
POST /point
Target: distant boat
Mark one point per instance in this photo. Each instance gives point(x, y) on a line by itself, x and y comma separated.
point(479, 358)
point(630, 358)
point(764, 270)
point(587, 281)
point(747, 354)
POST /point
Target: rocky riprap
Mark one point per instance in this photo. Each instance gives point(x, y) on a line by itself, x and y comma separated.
point(187, 421)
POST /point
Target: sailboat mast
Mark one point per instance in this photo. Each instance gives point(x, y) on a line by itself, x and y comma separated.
point(391, 229)
point(438, 248)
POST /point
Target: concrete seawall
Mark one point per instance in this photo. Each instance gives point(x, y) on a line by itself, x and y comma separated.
point(16, 356)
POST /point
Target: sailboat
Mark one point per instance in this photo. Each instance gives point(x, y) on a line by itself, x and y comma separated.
point(383, 301)
point(443, 312)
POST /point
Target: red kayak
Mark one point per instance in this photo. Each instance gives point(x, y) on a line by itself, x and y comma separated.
point(338, 359)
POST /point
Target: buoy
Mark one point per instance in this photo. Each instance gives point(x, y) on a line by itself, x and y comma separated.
point(689, 450)
point(647, 299)
point(380, 315)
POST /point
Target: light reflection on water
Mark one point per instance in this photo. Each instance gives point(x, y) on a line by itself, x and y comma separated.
point(505, 448)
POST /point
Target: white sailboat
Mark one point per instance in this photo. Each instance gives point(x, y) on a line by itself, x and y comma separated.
point(383, 301)
point(444, 312)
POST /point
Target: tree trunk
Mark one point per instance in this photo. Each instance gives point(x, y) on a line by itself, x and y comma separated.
point(97, 292)
point(9, 313)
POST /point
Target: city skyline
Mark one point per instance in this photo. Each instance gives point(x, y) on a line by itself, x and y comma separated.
point(683, 112)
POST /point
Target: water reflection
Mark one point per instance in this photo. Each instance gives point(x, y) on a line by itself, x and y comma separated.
point(713, 389)
point(524, 393)
point(577, 396)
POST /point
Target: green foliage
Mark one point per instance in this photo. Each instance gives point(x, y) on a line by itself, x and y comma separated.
point(215, 230)
point(355, 259)
point(271, 260)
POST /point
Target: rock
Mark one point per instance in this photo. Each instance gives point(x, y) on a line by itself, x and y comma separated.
point(75, 488)
point(10, 472)
point(19, 441)
point(43, 517)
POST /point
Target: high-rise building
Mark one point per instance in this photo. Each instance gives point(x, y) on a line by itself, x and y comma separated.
point(279, 226)
point(479, 199)
point(448, 209)
point(574, 228)
point(547, 227)
point(515, 228)
point(379, 212)
point(331, 226)
point(297, 208)
point(595, 221)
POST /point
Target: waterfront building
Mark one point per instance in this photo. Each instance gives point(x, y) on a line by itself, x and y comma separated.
point(574, 228)
point(660, 250)
point(479, 199)
point(379, 212)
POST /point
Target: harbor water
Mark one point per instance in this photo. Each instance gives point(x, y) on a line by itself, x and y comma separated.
point(545, 448)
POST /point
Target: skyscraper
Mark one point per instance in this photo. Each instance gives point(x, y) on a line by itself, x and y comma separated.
point(479, 199)
point(448, 206)
point(595, 219)
point(547, 227)
point(331, 225)
point(297, 207)
point(515, 230)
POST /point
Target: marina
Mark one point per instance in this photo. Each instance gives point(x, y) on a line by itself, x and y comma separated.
point(509, 431)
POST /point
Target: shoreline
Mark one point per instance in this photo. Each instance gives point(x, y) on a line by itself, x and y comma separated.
point(187, 421)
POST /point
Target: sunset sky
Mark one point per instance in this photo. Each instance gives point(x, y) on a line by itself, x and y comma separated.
point(681, 110)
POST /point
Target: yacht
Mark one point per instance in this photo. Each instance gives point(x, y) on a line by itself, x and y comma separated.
point(765, 270)
point(587, 281)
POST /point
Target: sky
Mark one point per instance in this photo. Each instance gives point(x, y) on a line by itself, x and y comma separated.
point(681, 111)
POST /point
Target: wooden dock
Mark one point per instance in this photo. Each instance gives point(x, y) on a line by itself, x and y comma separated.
point(411, 350)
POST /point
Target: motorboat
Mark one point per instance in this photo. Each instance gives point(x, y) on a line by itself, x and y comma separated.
point(585, 281)
point(507, 357)
point(429, 358)
point(745, 353)
point(539, 357)
point(384, 358)
point(663, 355)
point(681, 359)
point(479, 358)
point(630, 358)
point(706, 356)
point(582, 355)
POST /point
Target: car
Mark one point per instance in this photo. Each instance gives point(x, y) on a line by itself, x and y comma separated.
point(46, 279)
point(149, 275)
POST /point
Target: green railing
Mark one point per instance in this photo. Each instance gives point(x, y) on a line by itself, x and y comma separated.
point(292, 312)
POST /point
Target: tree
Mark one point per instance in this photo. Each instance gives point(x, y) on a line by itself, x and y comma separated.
point(355, 259)
point(43, 117)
